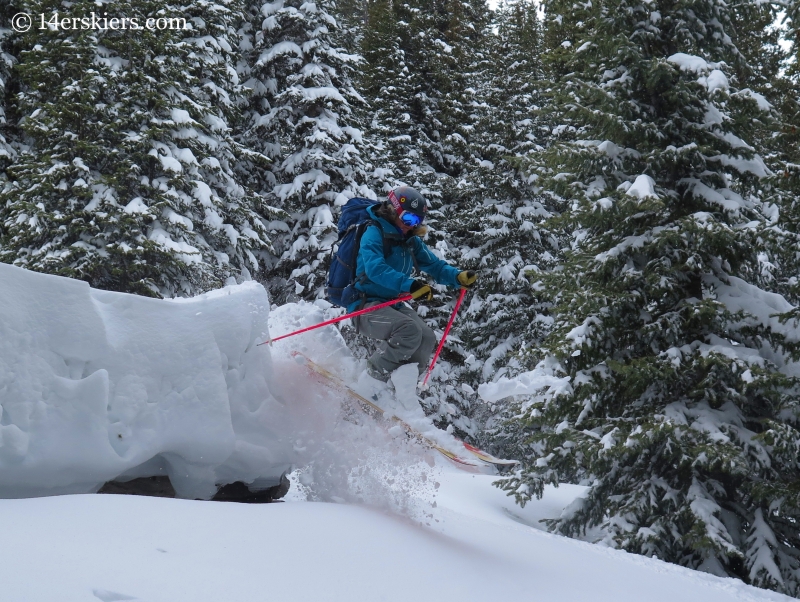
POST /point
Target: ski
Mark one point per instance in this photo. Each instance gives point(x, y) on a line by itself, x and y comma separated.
point(376, 412)
point(487, 457)
point(477, 457)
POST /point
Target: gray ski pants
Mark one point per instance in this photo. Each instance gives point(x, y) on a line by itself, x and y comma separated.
point(406, 338)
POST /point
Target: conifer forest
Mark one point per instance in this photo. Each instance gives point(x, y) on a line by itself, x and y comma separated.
point(623, 174)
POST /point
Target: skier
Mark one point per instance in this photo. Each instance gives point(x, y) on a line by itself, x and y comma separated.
point(381, 276)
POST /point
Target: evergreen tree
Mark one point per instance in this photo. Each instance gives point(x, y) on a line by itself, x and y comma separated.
point(388, 85)
point(403, 123)
point(466, 33)
point(499, 229)
point(783, 154)
point(420, 58)
point(508, 129)
point(430, 59)
point(127, 177)
point(668, 390)
point(7, 151)
point(351, 17)
point(301, 110)
point(759, 76)
point(791, 107)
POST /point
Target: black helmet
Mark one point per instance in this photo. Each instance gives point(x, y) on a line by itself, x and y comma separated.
point(405, 198)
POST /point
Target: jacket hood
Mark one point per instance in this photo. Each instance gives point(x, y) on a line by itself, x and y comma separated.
point(387, 226)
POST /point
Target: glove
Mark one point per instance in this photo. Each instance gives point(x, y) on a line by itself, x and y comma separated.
point(421, 291)
point(467, 278)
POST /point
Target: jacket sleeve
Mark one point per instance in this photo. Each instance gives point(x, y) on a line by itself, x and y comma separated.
point(375, 266)
point(442, 272)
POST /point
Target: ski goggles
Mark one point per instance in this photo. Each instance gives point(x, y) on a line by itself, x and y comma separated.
point(411, 220)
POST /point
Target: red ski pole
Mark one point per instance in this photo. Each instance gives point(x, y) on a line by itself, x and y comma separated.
point(339, 319)
point(444, 336)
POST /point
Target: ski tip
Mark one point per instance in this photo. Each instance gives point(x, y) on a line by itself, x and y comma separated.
point(489, 458)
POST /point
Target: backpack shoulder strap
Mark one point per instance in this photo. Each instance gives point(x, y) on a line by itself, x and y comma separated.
point(397, 241)
point(387, 241)
point(409, 244)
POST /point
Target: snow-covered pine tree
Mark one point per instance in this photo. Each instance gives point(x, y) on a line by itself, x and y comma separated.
point(791, 110)
point(388, 86)
point(506, 104)
point(759, 75)
point(466, 41)
point(7, 152)
point(792, 26)
point(302, 109)
point(783, 155)
point(505, 111)
point(351, 17)
point(419, 60)
point(402, 88)
point(498, 229)
point(126, 180)
point(675, 404)
point(561, 29)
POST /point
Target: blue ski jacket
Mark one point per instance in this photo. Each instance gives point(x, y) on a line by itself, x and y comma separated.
point(383, 278)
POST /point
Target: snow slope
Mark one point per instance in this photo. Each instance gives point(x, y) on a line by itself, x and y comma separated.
point(473, 546)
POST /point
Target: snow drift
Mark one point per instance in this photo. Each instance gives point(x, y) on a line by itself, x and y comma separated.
point(96, 385)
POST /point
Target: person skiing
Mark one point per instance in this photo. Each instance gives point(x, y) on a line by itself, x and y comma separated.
point(382, 275)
